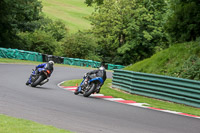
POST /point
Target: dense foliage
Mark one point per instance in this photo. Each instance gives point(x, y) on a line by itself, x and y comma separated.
point(179, 60)
point(23, 26)
point(17, 15)
point(184, 20)
point(38, 41)
point(129, 31)
point(90, 2)
point(80, 45)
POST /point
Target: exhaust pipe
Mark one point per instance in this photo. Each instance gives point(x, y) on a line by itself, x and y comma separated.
point(44, 81)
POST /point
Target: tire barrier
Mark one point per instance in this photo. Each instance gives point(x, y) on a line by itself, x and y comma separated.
point(35, 56)
point(178, 90)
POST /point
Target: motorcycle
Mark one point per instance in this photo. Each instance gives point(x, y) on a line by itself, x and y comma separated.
point(39, 78)
point(89, 85)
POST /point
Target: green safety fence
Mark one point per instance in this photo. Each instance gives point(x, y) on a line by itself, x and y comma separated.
point(172, 89)
point(112, 66)
point(81, 62)
point(89, 63)
point(20, 54)
point(35, 56)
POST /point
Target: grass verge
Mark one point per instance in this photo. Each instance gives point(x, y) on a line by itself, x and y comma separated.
point(15, 61)
point(108, 91)
point(170, 61)
point(15, 125)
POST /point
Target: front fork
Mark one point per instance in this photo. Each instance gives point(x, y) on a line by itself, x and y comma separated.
point(30, 78)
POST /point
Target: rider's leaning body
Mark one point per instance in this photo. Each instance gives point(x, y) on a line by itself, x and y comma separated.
point(47, 66)
point(99, 73)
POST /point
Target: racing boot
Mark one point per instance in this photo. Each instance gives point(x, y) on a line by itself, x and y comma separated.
point(98, 89)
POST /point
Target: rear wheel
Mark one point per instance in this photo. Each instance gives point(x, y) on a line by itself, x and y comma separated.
point(90, 90)
point(37, 82)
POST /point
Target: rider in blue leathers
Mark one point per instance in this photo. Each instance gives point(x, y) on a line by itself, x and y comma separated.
point(48, 66)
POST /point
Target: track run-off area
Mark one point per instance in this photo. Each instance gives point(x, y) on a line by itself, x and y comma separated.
point(51, 105)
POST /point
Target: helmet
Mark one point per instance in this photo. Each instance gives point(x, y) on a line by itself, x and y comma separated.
point(51, 62)
point(101, 68)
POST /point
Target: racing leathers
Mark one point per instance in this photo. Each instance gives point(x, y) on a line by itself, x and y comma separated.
point(99, 73)
point(46, 66)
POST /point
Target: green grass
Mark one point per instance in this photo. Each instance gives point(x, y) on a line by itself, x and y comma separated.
point(15, 61)
point(15, 125)
point(108, 91)
point(167, 61)
point(72, 12)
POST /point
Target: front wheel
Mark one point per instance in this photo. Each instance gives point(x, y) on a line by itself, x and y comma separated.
point(76, 91)
point(90, 90)
point(38, 81)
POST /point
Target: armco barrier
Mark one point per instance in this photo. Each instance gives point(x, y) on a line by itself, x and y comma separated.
point(172, 89)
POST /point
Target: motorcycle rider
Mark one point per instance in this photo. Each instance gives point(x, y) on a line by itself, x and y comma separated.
point(48, 66)
point(101, 72)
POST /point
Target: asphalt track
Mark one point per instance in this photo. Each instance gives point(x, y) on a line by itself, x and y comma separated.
point(52, 105)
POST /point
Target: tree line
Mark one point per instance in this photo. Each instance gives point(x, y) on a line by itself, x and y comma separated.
point(123, 31)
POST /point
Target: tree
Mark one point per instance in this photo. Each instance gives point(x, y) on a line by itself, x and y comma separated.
point(57, 28)
point(184, 20)
point(90, 2)
point(38, 41)
point(80, 45)
point(129, 30)
point(17, 15)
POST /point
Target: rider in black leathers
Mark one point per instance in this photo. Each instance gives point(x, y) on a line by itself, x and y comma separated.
point(99, 73)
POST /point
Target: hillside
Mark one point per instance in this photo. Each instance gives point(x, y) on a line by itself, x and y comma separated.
point(180, 60)
point(71, 12)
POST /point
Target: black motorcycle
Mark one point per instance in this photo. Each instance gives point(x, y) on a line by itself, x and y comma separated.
point(88, 87)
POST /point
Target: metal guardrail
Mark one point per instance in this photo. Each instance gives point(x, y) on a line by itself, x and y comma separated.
point(172, 89)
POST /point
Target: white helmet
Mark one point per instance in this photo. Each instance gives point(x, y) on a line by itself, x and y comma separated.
point(51, 62)
point(101, 68)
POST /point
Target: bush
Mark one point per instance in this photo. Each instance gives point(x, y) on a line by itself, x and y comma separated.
point(190, 69)
point(81, 45)
point(56, 28)
point(38, 41)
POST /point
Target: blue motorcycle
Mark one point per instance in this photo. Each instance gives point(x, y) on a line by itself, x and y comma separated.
point(89, 85)
point(38, 77)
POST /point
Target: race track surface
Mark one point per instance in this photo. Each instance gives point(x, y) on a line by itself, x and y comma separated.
point(52, 105)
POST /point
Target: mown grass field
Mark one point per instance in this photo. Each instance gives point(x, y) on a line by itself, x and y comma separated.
point(72, 12)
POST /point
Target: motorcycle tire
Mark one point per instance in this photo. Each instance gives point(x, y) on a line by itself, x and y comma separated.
point(27, 83)
point(76, 91)
point(37, 82)
point(90, 91)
